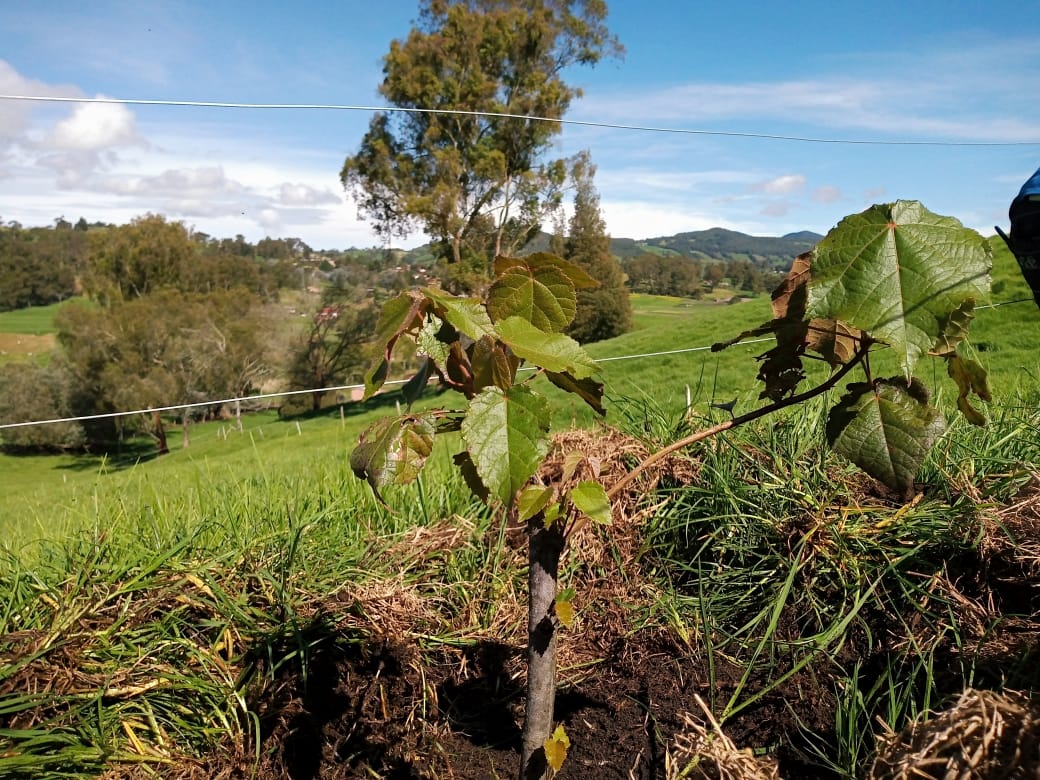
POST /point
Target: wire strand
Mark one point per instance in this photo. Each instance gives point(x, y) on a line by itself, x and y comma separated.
point(287, 393)
point(504, 115)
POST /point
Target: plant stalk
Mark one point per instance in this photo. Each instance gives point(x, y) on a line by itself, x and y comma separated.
point(544, 549)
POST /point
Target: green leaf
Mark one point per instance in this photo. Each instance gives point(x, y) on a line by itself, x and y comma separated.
point(544, 297)
point(886, 429)
point(591, 500)
point(392, 451)
point(588, 390)
point(898, 272)
point(556, 747)
point(467, 315)
point(545, 260)
point(554, 352)
point(533, 500)
point(506, 433)
point(552, 513)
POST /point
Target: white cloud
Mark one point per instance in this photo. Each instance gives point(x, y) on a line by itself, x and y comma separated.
point(777, 208)
point(827, 194)
point(874, 194)
point(304, 195)
point(95, 126)
point(206, 181)
point(781, 185)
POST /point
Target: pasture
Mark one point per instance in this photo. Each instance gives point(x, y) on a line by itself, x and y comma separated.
point(245, 607)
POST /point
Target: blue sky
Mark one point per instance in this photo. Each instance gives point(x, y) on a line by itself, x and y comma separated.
point(938, 71)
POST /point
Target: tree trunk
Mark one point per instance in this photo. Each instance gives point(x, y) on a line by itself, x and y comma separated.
point(545, 547)
point(185, 434)
point(159, 431)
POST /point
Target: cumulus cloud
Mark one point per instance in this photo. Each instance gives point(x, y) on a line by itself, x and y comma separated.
point(827, 194)
point(95, 126)
point(304, 195)
point(781, 185)
point(14, 114)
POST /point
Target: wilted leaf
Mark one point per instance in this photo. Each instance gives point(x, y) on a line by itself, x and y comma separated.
point(886, 429)
point(953, 329)
point(492, 364)
point(898, 272)
point(591, 500)
point(392, 451)
point(414, 387)
point(556, 747)
point(469, 473)
point(506, 434)
point(533, 500)
point(790, 297)
point(835, 341)
point(398, 315)
point(554, 352)
point(970, 378)
point(589, 390)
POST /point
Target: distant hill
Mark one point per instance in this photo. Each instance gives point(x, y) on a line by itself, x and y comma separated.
point(722, 245)
point(716, 244)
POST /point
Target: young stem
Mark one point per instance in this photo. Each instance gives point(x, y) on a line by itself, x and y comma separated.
point(545, 546)
point(820, 389)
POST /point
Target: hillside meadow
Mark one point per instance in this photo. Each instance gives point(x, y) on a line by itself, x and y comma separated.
point(246, 608)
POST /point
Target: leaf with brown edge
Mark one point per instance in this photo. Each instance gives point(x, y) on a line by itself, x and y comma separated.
point(556, 747)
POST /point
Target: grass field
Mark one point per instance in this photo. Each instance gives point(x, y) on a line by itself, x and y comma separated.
point(244, 607)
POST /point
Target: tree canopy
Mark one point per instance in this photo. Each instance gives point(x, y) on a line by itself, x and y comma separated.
point(454, 164)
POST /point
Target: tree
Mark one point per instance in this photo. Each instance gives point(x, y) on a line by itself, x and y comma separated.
point(161, 349)
point(604, 311)
point(476, 183)
point(28, 393)
point(334, 349)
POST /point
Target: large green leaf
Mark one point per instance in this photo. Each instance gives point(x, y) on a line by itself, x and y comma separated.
point(886, 429)
point(544, 297)
point(540, 288)
point(554, 352)
point(899, 272)
point(392, 451)
point(506, 433)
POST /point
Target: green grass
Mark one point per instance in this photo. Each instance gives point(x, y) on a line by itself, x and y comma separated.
point(35, 320)
point(176, 588)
